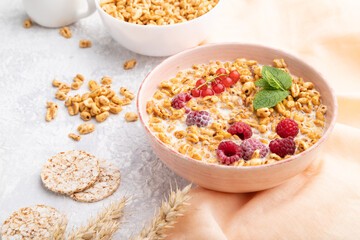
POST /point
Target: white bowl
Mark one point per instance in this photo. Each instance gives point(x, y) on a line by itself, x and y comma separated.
point(162, 40)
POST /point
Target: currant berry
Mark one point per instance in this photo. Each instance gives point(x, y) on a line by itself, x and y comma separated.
point(195, 92)
point(207, 92)
point(218, 88)
point(215, 82)
point(227, 82)
point(221, 71)
point(235, 76)
point(201, 82)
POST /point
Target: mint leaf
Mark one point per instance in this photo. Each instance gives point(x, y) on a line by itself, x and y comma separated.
point(263, 83)
point(269, 98)
point(276, 78)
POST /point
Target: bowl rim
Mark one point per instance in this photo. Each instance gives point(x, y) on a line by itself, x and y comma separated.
point(237, 168)
point(217, 6)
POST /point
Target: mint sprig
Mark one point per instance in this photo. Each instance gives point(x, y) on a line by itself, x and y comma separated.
point(275, 84)
point(269, 98)
point(264, 84)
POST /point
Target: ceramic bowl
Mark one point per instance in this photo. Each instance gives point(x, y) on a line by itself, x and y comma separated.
point(163, 40)
point(230, 178)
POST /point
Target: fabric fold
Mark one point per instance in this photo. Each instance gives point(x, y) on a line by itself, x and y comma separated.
point(323, 202)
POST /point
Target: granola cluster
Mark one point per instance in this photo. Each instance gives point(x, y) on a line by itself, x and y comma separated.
point(157, 12)
point(233, 105)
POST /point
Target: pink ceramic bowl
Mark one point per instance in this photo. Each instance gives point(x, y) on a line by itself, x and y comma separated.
point(229, 178)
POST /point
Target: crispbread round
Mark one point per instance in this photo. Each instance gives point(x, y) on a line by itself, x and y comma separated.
point(70, 172)
point(33, 222)
point(105, 185)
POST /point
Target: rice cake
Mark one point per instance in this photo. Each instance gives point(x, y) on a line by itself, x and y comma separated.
point(33, 222)
point(69, 172)
point(106, 184)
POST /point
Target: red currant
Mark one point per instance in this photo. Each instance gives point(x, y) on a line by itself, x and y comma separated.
point(235, 76)
point(195, 93)
point(207, 92)
point(221, 71)
point(227, 82)
point(215, 81)
point(201, 82)
point(218, 88)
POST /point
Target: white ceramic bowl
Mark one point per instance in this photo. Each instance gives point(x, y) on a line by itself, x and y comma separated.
point(230, 178)
point(163, 40)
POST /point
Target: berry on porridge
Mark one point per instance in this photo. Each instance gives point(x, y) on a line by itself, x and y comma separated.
point(237, 113)
point(198, 118)
point(229, 152)
point(283, 146)
point(249, 146)
point(242, 130)
point(287, 128)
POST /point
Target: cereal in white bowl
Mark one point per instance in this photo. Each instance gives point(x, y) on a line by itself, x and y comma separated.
point(155, 12)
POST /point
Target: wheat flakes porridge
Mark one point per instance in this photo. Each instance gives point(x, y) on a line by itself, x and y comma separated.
point(237, 113)
point(155, 12)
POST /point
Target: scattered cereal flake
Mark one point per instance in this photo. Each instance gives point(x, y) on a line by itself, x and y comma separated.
point(51, 113)
point(86, 128)
point(131, 116)
point(65, 32)
point(27, 23)
point(84, 43)
point(129, 64)
point(79, 77)
point(106, 80)
point(75, 136)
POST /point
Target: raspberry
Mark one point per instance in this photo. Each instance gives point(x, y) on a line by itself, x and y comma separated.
point(287, 128)
point(198, 118)
point(241, 129)
point(283, 147)
point(250, 145)
point(228, 152)
point(179, 100)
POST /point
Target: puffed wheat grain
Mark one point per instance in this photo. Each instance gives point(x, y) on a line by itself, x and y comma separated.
point(74, 136)
point(84, 43)
point(51, 112)
point(65, 32)
point(102, 116)
point(86, 128)
point(27, 23)
point(131, 116)
point(129, 64)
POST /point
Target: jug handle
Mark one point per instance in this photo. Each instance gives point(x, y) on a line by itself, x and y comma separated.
point(90, 9)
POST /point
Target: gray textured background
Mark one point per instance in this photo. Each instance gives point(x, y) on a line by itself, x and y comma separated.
point(29, 60)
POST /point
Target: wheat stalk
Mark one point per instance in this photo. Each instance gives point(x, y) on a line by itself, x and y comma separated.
point(104, 225)
point(59, 231)
point(166, 218)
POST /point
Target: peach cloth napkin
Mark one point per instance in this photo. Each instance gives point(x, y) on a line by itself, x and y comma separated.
point(323, 202)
